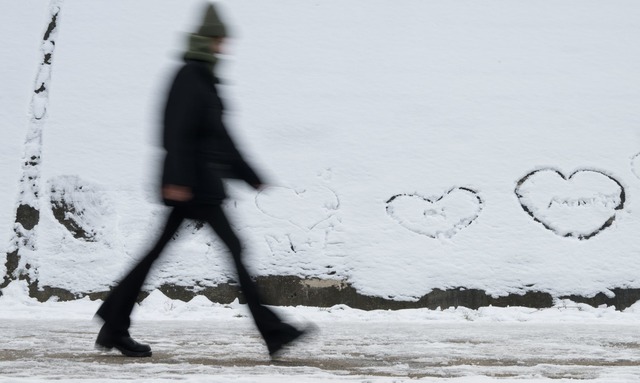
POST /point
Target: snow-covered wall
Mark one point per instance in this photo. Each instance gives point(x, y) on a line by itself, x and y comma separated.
point(409, 145)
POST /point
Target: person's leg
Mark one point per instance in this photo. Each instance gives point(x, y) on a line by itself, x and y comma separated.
point(117, 307)
point(274, 331)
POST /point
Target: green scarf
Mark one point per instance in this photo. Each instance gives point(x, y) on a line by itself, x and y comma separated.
point(200, 49)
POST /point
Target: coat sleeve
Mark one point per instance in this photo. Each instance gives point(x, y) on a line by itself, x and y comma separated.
point(239, 167)
point(180, 131)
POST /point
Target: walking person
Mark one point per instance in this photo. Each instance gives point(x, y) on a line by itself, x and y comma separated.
point(199, 154)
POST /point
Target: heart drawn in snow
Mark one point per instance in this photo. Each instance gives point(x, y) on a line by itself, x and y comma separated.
point(579, 206)
point(305, 208)
point(441, 216)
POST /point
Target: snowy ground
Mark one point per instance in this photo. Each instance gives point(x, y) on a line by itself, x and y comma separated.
point(200, 341)
point(437, 144)
point(346, 350)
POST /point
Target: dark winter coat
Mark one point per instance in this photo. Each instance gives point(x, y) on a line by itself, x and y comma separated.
point(199, 151)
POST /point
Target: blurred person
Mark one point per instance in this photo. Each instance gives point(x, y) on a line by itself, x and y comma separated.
point(199, 154)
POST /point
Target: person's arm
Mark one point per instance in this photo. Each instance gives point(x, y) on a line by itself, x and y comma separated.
point(239, 167)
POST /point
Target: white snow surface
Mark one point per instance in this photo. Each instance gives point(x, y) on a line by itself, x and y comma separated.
point(343, 105)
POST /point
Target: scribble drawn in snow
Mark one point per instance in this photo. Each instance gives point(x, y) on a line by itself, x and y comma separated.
point(635, 165)
point(311, 233)
point(578, 206)
point(82, 208)
point(304, 207)
point(441, 216)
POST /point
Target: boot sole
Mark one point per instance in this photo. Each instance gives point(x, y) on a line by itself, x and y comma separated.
point(125, 352)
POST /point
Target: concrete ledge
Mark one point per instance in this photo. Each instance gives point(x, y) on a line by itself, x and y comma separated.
point(296, 291)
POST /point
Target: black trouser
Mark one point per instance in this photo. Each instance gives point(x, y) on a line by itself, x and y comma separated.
point(116, 309)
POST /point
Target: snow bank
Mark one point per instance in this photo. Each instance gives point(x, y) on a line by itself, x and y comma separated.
point(488, 145)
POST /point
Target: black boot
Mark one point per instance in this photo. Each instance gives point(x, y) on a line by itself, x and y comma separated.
point(286, 337)
point(108, 340)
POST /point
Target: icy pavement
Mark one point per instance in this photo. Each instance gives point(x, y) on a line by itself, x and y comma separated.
point(229, 350)
point(200, 341)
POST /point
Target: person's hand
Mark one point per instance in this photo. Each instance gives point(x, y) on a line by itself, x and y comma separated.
point(259, 187)
point(177, 193)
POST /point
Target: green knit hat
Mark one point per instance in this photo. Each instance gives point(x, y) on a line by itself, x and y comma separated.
point(211, 26)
